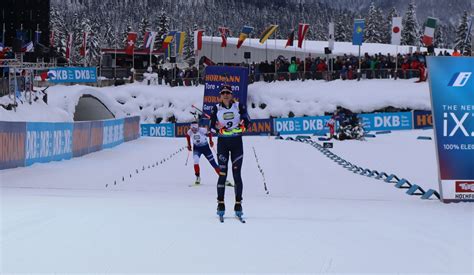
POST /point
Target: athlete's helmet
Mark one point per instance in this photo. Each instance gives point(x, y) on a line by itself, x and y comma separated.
point(194, 127)
point(226, 89)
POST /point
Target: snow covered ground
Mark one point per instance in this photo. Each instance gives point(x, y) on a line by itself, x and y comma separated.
point(317, 218)
point(309, 98)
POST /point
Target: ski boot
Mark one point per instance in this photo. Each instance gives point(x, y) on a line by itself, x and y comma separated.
point(238, 209)
point(221, 210)
point(198, 180)
point(228, 183)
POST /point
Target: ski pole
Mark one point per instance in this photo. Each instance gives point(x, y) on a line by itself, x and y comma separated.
point(186, 164)
point(261, 171)
point(201, 111)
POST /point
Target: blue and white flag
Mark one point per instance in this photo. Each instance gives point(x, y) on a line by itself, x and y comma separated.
point(358, 34)
point(149, 40)
point(37, 37)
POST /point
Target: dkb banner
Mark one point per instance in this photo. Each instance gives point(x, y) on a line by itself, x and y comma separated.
point(47, 142)
point(25, 143)
point(387, 121)
point(158, 130)
point(302, 125)
point(216, 76)
point(72, 75)
point(452, 98)
point(113, 133)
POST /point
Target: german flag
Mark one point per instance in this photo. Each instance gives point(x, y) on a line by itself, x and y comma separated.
point(291, 38)
point(266, 34)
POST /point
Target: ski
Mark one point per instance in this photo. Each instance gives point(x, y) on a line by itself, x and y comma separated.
point(221, 215)
point(194, 185)
point(238, 215)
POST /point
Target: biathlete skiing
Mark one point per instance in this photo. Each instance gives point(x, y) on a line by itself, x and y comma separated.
point(229, 119)
point(199, 136)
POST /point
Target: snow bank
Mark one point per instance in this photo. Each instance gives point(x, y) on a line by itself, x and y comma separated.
point(278, 99)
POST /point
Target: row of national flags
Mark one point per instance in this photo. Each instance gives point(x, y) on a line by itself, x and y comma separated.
point(247, 30)
point(303, 28)
point(23, 37)
point(174, 41)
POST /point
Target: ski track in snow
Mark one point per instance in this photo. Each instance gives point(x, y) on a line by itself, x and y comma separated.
point(317, 217)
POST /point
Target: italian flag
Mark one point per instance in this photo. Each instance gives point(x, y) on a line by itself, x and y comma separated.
point(429, 31)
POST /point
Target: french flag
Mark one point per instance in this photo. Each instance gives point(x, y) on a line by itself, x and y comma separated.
point(27, 48)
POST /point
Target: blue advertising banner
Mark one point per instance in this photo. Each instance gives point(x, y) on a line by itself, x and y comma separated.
point(387, 121)
point(302, 125)
point(452, 98)
point(422, 119)
point(112, 133)
point(358, 33)
point(12, 144)
point(260, 127)
point(216, 76)
point(48, 142)
point(158, 130)
point(72, 74)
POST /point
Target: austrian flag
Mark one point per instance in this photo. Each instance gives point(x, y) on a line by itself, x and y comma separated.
point(198, 40)
point(302, 30)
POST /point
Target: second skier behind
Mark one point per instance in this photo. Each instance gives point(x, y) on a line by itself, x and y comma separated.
point(199, 136)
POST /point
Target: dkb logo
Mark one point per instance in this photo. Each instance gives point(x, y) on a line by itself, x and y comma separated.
point(459, 79)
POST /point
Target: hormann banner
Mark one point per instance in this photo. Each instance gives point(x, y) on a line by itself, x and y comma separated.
point(12, 144)
point(216, 76)
point(422, 119)
point(452, 99)
point(260, 127)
